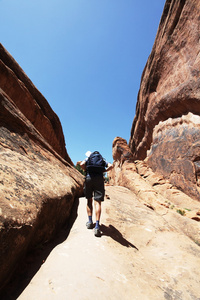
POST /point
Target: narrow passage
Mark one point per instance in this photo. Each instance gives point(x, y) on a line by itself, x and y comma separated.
point(85, 266)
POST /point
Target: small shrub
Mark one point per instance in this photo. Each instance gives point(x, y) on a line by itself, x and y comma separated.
point(106, 179)
point(78, 167)
point(181, 212)
point(197, 242)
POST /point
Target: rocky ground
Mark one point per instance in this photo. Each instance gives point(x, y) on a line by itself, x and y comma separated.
point(140, 255)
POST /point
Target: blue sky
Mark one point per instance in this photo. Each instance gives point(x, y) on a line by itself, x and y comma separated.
point(86, 57)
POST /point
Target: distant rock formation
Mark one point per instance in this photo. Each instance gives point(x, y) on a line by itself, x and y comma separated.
point(166, 128)
point(122, 158)
point(38, 183)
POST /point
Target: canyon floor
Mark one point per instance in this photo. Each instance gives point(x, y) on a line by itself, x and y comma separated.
point(139, 255)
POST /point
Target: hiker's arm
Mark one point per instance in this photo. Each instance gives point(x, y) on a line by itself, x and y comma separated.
point(110, 166)
point(83, 165)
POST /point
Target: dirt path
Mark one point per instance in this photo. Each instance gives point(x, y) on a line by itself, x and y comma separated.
point(84, 266)
point(138, 256)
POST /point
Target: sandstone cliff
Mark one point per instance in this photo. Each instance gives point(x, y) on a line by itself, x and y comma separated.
point(38, 183)
point(19, 88)
point(166, 128)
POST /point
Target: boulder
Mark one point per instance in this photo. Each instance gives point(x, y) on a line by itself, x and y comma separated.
point(38, 183)
point(168, 105)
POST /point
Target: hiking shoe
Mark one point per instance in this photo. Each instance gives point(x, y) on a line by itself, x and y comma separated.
point(97, 232)
point(89, 225)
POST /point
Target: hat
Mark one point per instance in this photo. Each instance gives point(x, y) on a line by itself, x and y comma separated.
point(88, 153)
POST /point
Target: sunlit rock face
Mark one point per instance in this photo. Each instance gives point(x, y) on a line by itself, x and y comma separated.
point(153, 189)
point(170, 90)
point(19, 88)
point(175, 152)
point(123, 158)
point(121, 151)
point(38, 184)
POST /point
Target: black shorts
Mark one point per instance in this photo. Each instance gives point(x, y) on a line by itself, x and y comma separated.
point(94, 187)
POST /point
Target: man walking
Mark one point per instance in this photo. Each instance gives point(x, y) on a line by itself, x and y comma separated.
point(95, 166)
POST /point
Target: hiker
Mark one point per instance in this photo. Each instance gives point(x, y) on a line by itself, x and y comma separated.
point(95, 166)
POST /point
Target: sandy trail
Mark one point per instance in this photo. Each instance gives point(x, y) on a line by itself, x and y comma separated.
point(84, 266)
point(140, 255)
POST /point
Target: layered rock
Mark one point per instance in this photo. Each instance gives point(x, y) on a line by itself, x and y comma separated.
point(122, 158)
point(154, 191)
point(169, 90)
point(175, 152)
point(19, 88)
point(38, 184)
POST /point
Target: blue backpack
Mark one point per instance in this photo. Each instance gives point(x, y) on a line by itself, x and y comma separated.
point(96, 163)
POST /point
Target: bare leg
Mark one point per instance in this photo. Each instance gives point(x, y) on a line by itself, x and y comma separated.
point(89, 207)
point(98, 215)
point(98, 210)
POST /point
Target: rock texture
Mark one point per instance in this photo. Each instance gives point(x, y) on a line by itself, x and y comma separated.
point(154, 191)
point(142, 254)
point(19, 88)
point(38, 184)
point(168, 107)
point(175, 152)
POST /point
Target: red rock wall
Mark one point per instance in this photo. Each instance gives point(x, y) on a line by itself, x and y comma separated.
point(122, 158)
point(19, 88)
point(38, 184)
point(169, 90)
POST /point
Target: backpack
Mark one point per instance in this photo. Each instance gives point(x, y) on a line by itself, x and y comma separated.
point(96, 163)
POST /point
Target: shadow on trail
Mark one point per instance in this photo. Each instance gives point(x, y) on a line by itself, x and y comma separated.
point(35, 258)
point(116, 235)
